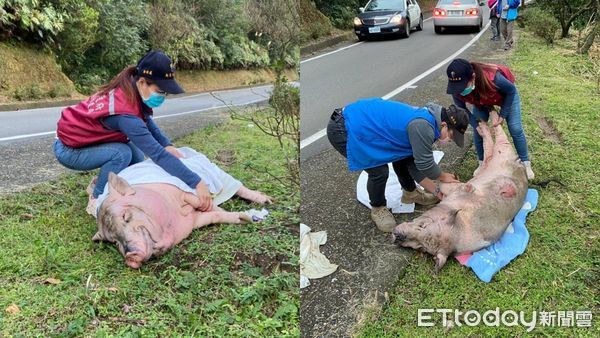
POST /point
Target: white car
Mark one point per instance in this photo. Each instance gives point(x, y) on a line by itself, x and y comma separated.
point(383, 17)
point(457, 13)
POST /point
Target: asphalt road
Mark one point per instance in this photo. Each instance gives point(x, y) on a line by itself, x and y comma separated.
point(369, 69)
point(26, 136)
point(408, 70)
point(30, 123)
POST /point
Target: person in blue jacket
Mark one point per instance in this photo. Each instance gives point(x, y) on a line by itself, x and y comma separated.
point(507, 9)
point(373, 132)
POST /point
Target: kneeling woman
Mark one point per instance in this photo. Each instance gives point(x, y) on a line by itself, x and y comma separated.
point(485, 86)
point(113, 129)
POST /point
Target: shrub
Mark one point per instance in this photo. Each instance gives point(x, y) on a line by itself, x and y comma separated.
point(30, 20)
point(28, 92)
point(541, 23)
point(175, 31)
point(58, 91)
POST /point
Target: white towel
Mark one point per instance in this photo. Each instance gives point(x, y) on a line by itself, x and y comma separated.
point(313, 264)
point(222, 185)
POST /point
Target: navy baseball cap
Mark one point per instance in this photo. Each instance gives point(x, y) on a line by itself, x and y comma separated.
point(157, 66)
point(459, 73)
point(456, 118)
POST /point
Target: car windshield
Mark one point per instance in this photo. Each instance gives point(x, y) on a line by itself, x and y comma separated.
point(462, 2)
point(383, 5)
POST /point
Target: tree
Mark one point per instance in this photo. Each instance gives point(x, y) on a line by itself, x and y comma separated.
point(594, 23)
point(568, 11)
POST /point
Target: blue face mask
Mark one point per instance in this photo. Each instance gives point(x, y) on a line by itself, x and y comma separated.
point(468, 90)
point(155, 100)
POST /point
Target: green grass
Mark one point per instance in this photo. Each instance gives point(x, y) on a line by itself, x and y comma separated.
point(560, 269)
point(225, 280)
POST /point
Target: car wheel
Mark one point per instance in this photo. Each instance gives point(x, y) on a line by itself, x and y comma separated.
point(478, 28)
point(361, 37)
point(420, 25)
point(438, 29)
point(406, 33)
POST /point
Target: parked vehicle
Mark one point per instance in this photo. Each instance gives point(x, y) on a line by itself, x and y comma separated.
point(457, 13)
point(388, 17)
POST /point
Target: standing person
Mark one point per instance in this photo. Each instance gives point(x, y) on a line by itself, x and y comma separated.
point(485, 86)
point(508, 14)
point(113, 129)
point(494, 20)
point(371, 133)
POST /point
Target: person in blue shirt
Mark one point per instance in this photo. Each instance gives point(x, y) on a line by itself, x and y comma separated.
point(373, 132)
point(508, 12)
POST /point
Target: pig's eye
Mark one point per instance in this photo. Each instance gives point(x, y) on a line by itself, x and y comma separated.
point(126, 216)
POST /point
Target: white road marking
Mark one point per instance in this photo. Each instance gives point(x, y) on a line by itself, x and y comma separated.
point(410, 84)
point(17, 137)
point(25, 136)
point(341, 49)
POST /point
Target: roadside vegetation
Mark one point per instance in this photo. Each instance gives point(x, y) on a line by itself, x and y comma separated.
point(559, 271)
point(93, 40)
point(224, 280)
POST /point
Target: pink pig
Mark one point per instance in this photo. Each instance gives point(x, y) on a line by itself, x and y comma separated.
point(148, 219)
point(473, 215)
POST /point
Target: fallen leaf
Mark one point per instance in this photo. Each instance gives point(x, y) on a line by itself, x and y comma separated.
point(26, 216)
point(113, 289)
point(52, 281)
point(13, 309)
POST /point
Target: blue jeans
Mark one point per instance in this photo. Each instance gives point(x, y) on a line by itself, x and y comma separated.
point(108, 157)
point(513, 121)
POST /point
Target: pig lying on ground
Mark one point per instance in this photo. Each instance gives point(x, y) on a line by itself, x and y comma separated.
point(475, 214)
point(147, 219)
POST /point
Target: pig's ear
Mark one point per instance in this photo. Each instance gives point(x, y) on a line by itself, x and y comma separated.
point(98, 237)
point(440, 260)
point(119, 185)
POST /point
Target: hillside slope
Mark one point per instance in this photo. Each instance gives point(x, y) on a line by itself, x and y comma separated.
point(30, 73)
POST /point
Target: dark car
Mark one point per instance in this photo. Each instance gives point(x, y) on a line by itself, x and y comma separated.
point(393, 17)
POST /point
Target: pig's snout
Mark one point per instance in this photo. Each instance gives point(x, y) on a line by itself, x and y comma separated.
point(398, 236)
point(134, 259)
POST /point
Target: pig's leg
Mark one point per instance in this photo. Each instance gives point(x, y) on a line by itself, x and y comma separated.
point(189, 199)
point(194, 201)
point(254, 196)
point(440, 261)
point(213, 217)
point(488, 143)
point(501, 138)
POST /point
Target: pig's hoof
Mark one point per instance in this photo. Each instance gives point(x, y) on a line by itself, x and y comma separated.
point(264, 199)
point(245, 218)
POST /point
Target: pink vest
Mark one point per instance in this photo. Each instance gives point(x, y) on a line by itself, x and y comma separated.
point(493, 98)
point(79, 125)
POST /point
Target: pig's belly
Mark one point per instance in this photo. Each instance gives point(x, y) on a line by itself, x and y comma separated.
point(483, 216)
point(178, 217)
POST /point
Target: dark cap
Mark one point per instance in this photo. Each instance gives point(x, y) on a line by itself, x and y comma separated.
point(457, 119)
point(459, 73)
point(157, 66)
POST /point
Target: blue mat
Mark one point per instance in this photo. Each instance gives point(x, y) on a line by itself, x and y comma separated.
point(486, 262)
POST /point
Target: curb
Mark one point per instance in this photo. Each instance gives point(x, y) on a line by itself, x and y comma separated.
point(314, 47)
point(38, 104)
point(334, 40)
point(64, 103)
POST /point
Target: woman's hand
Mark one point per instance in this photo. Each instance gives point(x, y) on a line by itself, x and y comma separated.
point(173, 151)
point(448, 178)
point(206, 203)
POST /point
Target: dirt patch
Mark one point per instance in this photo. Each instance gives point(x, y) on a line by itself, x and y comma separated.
point(549, 130)
point(265, 263)
point(225, 157)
